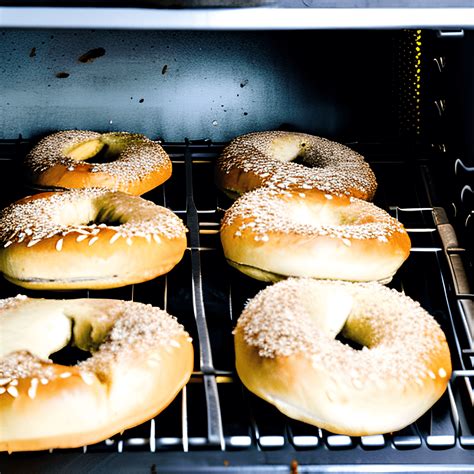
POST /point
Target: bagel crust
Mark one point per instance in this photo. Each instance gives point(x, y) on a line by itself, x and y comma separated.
point(59, 161)
point(141, 358)
point(270, 235)
point(88, 238)
point(286, 353)
point(265, 159)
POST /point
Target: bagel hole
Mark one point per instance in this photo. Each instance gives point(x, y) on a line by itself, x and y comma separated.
point(349, 342)
point(106, 154)
point(69, 355)
point(108, 222)
point(307, 159)
point(299, 160)
point(108, 217)
point(95, 150)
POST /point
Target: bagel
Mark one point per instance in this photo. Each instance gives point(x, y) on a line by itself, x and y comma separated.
point(270, 235)
point(287, 354)
point(87, 238)
point(141, 358)
point(59, 161)
point(265, 159)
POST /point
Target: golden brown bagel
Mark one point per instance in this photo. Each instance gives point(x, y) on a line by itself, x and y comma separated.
point(270, 235)
point(287, 354)
point(141, 358)
point(265, 159)
point(87, 238)
point(59, 161)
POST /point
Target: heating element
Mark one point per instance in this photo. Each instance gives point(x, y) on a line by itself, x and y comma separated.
point(215, 423)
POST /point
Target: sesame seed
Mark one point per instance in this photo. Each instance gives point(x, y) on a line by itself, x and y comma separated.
point(59, 245)
point(114, 238)
point(331, 396)
point(87, 378)
point(82, 237)
point(13, 391)
point(93, 240)
point(33, 387)
point(442, 373)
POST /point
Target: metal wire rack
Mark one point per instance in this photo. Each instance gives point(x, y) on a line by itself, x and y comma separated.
point(215, 423)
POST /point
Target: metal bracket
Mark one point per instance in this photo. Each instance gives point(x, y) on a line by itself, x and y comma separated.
point(455, 33)
point(453, 253)
point(460, 166)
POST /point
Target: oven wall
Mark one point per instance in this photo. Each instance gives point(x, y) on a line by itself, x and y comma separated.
point(200, 84)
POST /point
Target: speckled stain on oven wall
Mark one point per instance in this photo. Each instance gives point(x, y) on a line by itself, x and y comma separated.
point(188, 84)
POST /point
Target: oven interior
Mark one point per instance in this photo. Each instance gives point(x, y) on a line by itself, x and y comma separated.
point(402, 98)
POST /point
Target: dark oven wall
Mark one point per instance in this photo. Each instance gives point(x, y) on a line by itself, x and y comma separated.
point(201, 84)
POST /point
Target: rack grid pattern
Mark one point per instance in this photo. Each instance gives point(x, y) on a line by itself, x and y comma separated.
point(216, 421)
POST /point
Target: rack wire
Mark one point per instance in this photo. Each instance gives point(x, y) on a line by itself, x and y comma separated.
point(215, 421)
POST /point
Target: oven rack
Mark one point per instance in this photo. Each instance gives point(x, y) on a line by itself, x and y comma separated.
point(216, 424)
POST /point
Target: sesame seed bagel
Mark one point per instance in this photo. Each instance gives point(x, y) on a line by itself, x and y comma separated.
point(270, 235)
point(87, 238)
point(287, 353)
point(59, 161)
point(265, 159)
point(141, 358)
